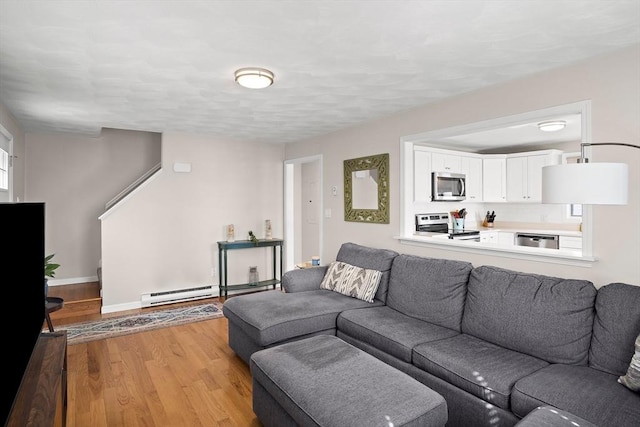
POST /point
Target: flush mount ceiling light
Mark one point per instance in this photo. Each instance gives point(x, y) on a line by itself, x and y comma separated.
point(254, 78)
point(552, 126)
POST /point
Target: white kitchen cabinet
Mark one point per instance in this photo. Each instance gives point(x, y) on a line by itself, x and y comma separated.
point(524, 175)
point(489, 237)
point(506, 238)
point(421, 176)
point(570, 243)
point(441, 162)
point(472, 168)
point(494, 177)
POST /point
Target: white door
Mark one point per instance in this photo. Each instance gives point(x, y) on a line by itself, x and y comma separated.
point(6, 169)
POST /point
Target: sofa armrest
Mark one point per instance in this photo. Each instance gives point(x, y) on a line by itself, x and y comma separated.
point(307, 279)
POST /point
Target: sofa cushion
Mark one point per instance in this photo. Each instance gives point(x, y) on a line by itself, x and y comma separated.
point(272, 316)
point(324, 381)
point(632, 378)
point(429, 289)
point(372, 258)
point(547, 317)
point(347, 279)
point(588, 393)
point(548, 416)
point(389, 330)
point(305, 279)
point(615, 328)
point(476, 366)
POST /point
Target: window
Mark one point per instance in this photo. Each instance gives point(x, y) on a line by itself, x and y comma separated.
point(573, 210)
point(4, 170)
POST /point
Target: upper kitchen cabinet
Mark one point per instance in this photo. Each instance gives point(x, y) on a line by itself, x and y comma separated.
point(472, 168)
point(442, 162)
point(524, 174)
point(421, 175)
point(494, 178)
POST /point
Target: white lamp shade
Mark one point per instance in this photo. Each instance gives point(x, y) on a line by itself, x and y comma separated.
point(586, 183)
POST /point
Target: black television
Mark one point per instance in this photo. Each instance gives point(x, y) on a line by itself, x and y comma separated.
point(22, 283)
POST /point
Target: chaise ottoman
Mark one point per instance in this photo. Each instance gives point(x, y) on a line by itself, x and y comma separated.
point(324, 381)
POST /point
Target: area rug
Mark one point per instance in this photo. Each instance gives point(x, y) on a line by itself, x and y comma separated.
point(111, 327)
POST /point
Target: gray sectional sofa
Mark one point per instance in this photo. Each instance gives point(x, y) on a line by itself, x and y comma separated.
point(495, 343)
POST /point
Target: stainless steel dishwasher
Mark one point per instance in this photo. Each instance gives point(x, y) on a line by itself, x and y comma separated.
point(549, 241)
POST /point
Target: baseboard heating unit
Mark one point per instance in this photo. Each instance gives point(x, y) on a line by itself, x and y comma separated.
point(178, 295)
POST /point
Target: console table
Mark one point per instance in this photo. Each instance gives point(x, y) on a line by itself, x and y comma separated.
point(224, 247)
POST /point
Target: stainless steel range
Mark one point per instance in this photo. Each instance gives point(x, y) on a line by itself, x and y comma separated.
point(429, 223)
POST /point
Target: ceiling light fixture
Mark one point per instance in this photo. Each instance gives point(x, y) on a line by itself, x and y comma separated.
point(552, 126)
point(587, 183)
point(254, 78)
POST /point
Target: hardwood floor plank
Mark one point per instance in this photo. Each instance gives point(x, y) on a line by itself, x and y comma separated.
point(179, 376)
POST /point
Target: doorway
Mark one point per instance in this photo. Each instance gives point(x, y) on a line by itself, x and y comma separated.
point(302, 210)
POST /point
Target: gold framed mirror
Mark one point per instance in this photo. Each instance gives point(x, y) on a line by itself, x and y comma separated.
point(366, 189)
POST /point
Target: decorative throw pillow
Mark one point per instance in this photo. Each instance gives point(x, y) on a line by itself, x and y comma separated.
point(347, 279)
point(632, 377)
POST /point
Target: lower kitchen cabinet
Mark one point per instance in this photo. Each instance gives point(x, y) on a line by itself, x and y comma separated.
point(489, 237)
point(570, 243)
point(506, 238)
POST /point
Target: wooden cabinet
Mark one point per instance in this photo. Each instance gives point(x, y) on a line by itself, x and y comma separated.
point(524, 175)
point(421, 176)
point(42, 398)
point(494, 177)
point(472, 168)
point(441, 162)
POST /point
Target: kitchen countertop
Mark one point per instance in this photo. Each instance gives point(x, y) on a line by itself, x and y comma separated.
point(441, 240)
point(568, 233)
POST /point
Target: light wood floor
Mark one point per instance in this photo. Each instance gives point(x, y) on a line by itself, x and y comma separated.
point(182, 376)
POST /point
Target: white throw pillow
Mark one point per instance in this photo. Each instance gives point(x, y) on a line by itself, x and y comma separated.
point(632, 378)
point(347, 279)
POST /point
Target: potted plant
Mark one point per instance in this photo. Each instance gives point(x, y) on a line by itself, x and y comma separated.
point(49, 271)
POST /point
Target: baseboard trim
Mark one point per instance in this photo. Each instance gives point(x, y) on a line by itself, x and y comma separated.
point(72, 280)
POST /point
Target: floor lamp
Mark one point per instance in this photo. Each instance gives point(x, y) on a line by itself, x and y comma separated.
point(587, 183)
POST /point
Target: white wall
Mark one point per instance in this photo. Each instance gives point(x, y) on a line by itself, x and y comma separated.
point(76, 176)
point(611, 82)
point(165, 237)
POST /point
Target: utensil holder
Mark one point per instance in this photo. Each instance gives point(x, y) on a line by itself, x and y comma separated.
point(458, 223)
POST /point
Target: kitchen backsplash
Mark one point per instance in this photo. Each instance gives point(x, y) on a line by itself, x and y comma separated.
point(509, 215)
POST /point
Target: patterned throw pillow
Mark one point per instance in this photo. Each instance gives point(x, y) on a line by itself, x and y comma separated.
point(632, 377)
point(352, 281)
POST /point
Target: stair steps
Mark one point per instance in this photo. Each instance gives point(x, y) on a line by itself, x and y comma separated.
point(82, 302)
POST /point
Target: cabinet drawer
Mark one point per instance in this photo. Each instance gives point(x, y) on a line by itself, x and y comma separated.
point(567, 242)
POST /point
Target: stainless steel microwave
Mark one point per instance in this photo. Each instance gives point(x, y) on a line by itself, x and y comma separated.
point(447, 187)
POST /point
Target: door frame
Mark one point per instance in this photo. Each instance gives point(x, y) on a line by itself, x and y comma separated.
point(289, 207)
point(9, 137)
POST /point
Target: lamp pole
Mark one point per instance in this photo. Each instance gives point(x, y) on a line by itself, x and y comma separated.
point(584, 159)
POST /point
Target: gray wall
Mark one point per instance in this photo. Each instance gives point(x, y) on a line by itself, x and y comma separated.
point(75, 176)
